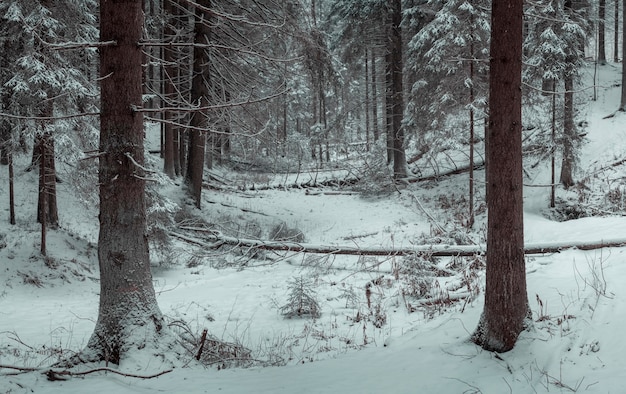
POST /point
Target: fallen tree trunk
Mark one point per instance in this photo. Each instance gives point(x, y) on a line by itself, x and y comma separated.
point(213, 239)
point(456, 171)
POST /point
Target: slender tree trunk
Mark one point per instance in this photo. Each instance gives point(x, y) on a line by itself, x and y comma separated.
point(47, 205)
point(553, 148)
point(470, 221)
point(42, 206)
point(601, 32)
point(375, 130)
point(199, 95)
point(169, 71)
point(506, 304)
point(569, 134)
point(367, 110)
point(47, 213)
point(129, 318)
point(11, 189)
point(399, 157)
point(616, 33)
point(622, 105)
point(389, 105)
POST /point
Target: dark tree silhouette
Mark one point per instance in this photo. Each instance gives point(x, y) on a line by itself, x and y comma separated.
point(506, 304)
point(128, 317)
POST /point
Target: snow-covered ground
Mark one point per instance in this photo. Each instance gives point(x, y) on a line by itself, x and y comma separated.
point(48, 305)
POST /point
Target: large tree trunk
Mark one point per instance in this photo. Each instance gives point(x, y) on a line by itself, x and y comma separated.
point(399, 157)
point(506, 304)
point(199, 95)
point(128, 317)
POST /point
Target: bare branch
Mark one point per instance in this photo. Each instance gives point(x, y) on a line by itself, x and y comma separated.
point(230, 17)
point(79, 45)
point(23, 117)
point(218, 46)
point(211, 107)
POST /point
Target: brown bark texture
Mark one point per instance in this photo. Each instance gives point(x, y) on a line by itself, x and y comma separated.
point(47, 211)
point(397, 111)
point(506, 304)
point(128, 316)
point(199, 95)
point(169, 71)
point(569, 134)
point(601, 32)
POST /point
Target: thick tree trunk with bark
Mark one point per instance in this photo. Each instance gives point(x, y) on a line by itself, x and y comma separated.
point(199, 96)
point(397, 110)
point(506, 304)
point(128, 317)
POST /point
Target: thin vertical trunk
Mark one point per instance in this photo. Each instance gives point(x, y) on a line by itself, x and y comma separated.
point(169, 91)
point(42, 208)
point(389, 106)
point(601, 32)
point(506, 304)
point(616, 33)
point(622, 105)
point(553, 148)
point(11, 189)
point(47, 212)
point(375, 130)
point(367, 110)
point(285, 119)
point(569, 134)
point(470, 221)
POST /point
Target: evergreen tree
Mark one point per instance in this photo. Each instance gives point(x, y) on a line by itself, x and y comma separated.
point(506, 304)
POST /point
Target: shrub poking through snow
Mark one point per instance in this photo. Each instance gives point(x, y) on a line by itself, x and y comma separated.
point(282, 232)
point(301, 300)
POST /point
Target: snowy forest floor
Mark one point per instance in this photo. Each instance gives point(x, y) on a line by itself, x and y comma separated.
point(392, 324)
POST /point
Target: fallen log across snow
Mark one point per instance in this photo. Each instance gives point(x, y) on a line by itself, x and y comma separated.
point(213, 239)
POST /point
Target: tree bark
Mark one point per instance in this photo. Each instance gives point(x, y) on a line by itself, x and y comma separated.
point(169, 71)
point(128, 316)
point(569, 134)
point(199, 95)
point(601, 32)
point(47, 212)
point(506, 304)
point(11, 190)
point(616, 33)
point(399, 156)
point(375, 130)
point(622, 105)
point(367, 98)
